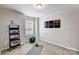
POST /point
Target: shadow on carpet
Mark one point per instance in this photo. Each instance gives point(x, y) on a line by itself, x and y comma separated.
point(35, 50)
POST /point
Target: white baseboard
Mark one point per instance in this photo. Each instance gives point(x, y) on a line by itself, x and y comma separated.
point(61, 46)
point(4, 48)
point(9, 48)
point(0, 52)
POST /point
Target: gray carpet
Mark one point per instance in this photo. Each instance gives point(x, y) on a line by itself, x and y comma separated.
point(35, 50)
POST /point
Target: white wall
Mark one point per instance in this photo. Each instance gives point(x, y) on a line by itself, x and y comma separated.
point(0, 31)
point(66, 36)
point(5, 18)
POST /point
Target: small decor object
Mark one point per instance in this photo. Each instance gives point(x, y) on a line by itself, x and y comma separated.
point(56, 23)
point(52, 24)
point(46, 24)
point(37, 45)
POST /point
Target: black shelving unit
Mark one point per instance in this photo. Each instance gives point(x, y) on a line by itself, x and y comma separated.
point(14, 36)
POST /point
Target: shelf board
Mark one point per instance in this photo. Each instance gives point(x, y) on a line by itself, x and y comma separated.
point(13, 28)
point(14, 33)
point(14, 39)
point(14, 46)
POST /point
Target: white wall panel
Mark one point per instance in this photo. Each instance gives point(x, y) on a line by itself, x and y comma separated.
point(67, 35)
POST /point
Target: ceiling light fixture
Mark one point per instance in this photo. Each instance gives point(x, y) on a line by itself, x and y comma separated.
point(39, 6)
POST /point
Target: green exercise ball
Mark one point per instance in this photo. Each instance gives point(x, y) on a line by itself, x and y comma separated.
point(32, 39)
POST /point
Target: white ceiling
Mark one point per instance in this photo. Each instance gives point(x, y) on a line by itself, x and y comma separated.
point(30, 10)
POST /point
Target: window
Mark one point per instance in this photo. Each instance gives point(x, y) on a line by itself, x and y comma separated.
point(28, 27)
